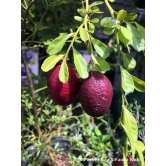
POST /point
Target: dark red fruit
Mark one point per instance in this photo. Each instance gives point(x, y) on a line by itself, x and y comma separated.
point(119, 161)
point(63, 93)
point(95, 94)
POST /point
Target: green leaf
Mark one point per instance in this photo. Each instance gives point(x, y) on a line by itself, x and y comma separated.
point(126, 81)
point(94, 20)
point(124, 160)
point(83, 34)
point(138, 84)
point(81, 65)
point(140, 148)
point(94, 59)
point(111, 0)
point(96, 3)
point(50, 62)
point(106, 137)
point(121, 15)
point(95, 9)
point(131, 128)
point(97, 131)
point(130, 124)
point(108, 31)
point(137, 40)
point(100, 48)
point(108, 22)
point(103, 65)
point(63, 73)
point(91, 27)
point(141, 29)
point(131, 16)
point(129, 61)
point(57, 44)
point(82, 12)
point(78, 18)
point(105, 164)
point(56, 145)
point(125, 35)
point(89, 48)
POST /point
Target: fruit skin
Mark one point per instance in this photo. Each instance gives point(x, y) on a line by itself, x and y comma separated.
point(120, 162)
point(63, 93)
point(95, 94)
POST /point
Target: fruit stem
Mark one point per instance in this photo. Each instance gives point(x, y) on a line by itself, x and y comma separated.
point(33, 96)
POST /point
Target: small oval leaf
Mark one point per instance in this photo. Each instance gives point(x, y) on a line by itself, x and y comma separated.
point(50, 62)
point(106, 137)
point(102, 64)
point(140, 146)
point(91, 27)
point(129, 61)
point(126, 81)
point(97, 131)
point(121, 15)
point(83, 34)
point(63, 73)
point(108, 22)
point(96, 3)
point(138, 41)
point(108, 31)
point(100, 48)
point(81, 65)
point(82, 12)
point(141, 29)
point(125, 35)
point(94, 20)
point(131, 16)
point(138, 84)
point(78, 18)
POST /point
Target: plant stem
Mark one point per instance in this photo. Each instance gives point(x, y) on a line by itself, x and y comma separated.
point(33, 96)
point(40, 89)
point(26, 13)
point(86, 16)
point(74, 37)
point(109, 8)
point(120, 63)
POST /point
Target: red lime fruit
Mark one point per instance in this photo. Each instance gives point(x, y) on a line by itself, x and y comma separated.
point(63, 93)
point(95, 94)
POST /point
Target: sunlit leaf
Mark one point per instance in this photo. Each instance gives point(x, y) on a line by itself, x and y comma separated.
point(57, 44)
point(126, 81)
point(100, 48)
point(63, 73)
point(50, 62)
point(81, 64)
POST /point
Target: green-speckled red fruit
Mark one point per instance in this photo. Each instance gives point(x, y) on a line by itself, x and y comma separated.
point(119, 161)
point(95, 94)
point(63, 93)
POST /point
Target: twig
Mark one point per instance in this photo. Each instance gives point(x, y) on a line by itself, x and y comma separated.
point(33, 96)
